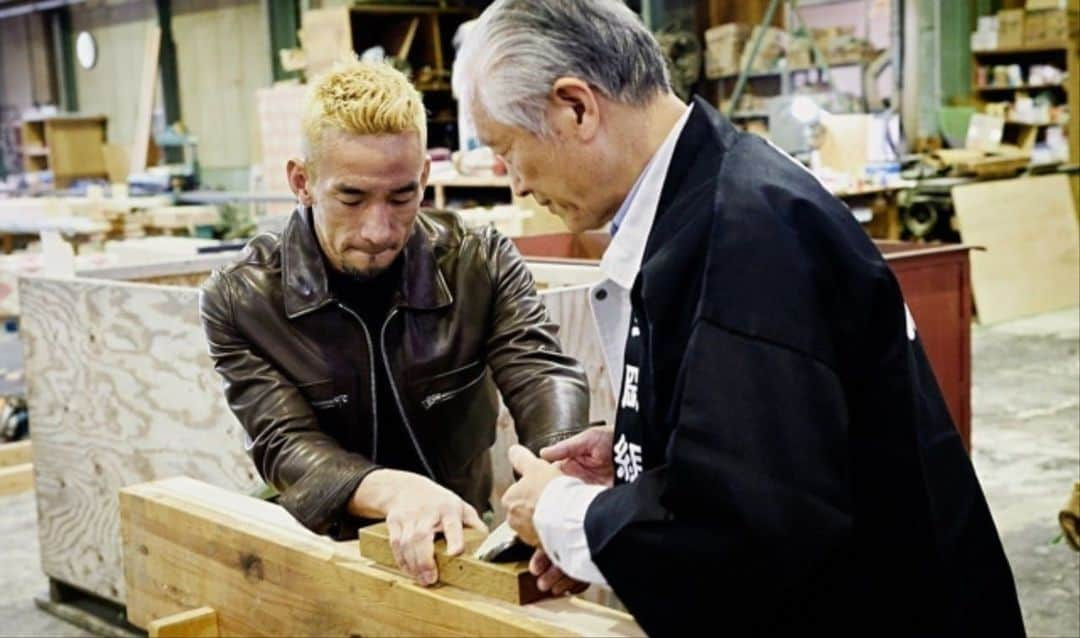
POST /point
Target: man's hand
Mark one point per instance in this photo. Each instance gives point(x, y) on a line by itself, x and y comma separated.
point(586, 455)
point(520, 500)
point(415, 508)
point(551, 578)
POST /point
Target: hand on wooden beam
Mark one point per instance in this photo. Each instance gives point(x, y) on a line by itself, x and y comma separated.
point(416, 509)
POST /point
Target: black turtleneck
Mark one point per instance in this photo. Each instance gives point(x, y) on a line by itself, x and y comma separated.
point(372, 300)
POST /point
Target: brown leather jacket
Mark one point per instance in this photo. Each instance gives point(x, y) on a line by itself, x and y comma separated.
point(298, 376)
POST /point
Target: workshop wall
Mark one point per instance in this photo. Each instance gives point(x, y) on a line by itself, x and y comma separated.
point(222, 56)
point(111, 86)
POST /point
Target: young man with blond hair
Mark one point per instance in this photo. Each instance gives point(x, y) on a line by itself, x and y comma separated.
point(362, 347)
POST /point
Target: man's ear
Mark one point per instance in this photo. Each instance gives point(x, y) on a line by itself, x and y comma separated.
point(575, 110)
point(300, 182)
point(425, 174)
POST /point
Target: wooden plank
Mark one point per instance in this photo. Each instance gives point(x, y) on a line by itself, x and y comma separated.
point(16, 453)
point(510, 582)
point(16, 479)
point(1032, 259)
point(196, 623)
point(189, 544)
point(148, 81)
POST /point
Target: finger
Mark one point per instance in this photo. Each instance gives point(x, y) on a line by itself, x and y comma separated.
point(425, 558)
point(393, 526)
point(563, 585)
point(473, 520)
point(565, 448)
point(408, 551)
point(539, 563)
point(549, 578)
point(523, 460)
point(455, 539)
point(578, 587)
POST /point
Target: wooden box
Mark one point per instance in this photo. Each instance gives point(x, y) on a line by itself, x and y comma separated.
point(1010, 28)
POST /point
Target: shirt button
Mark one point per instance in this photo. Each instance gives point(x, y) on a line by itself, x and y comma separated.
point(601, 294)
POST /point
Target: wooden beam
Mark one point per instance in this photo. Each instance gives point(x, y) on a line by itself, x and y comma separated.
point(15, 453)
point(196, 623)
point(189, 544)
point(16, 479)
point(510, 582)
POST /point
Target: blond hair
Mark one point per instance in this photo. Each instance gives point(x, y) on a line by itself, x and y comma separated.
point(361, 98)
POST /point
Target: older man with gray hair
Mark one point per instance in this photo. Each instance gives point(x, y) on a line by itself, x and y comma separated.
point(782, 460)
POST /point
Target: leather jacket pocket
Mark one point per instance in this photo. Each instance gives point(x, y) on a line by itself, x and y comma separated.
point(441, 388)
point(335, 406)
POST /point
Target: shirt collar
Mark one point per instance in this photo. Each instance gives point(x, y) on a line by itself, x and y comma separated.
point(634, 220)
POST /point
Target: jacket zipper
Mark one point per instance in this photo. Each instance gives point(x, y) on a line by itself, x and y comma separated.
point(397, 397)
point(335, 402)
point(432, 400)
point(374, 389)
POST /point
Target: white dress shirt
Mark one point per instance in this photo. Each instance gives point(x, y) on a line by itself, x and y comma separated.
point(560, 512)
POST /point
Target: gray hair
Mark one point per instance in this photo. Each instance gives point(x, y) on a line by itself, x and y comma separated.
point(518, 49)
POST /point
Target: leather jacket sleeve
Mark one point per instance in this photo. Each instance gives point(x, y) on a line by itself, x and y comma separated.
point(313, 473)
point(545, 390)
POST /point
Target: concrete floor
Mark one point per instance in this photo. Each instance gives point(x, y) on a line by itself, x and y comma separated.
point(1026, 437)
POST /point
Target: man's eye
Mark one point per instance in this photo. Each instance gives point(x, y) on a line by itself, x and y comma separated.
point(355, 202)
point(401, 202)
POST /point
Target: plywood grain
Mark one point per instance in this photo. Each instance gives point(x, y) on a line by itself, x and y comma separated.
point(121, 391)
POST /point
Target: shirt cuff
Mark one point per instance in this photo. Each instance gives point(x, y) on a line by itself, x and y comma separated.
point(560, 522)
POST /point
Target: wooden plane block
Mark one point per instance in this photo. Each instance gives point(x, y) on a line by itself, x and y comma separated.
point(15, 453)
point(511, 582)
point(196, 623)
point(16, 479)
point(190, 544)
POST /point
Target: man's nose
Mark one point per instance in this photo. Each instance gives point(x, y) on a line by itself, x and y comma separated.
point(518, 184)
point(378, 230)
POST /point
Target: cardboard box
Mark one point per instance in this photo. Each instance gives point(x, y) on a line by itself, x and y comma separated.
point(1034, 27)
point(724, 47)
point(800, 54)
point(1060, 25)
point(1010, 28)
point(1038, 5)
point(729, 31)
point(722, 58)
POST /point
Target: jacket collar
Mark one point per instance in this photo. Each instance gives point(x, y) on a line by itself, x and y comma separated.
point(306, 285)
point(692, 170)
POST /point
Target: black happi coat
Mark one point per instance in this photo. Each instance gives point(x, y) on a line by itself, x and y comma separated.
point(801, 475)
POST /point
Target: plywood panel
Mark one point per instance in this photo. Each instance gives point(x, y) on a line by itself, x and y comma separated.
point(111, 87)
point(1032, 259)
point(121, 391)
point(223, 56)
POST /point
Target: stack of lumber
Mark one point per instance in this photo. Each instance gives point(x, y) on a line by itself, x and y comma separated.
point(16, 470)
